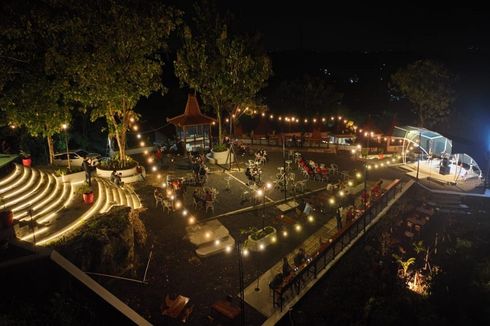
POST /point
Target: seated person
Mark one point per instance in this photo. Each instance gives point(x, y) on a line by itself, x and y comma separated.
point(114, 176)
point(249, 175)
point(276, 281)
point(118, 180)
point(300, 257)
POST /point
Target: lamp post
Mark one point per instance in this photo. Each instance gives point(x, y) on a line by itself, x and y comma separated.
point(65, 128)
point(241, 294)
point(420, 154)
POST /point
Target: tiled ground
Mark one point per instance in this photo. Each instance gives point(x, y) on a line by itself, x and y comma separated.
point(175, 268)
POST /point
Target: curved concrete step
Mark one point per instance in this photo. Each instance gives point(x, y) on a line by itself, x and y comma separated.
point(5, 182)
point(40, 195)
point(122, 197)
point(24, 187)
point(38, 184)
point(96, 207)
point(17, 182)
point(41, 205)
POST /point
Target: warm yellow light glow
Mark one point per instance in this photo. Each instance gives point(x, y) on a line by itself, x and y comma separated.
point(217, 242)
point(280, 118)
point(306, 120)
point(192, 220)
point(358, 175)
point(274, 239)
point(154, 168)
point(311, 218)
point(159, 176)
point(285, 233)
point(150, 159)
point(369, 167)
point(260, 192)
point(228, 249)
point(184, 212)
point(314, 120)
point(227, 120)
point(142, 143)
point(341, 193)
point(207, 234)
point(263, 114)
point(359, 146)
point(350, 183)
point(331, 201)
point(323, 119)
point(64, 126)
point(138, 136)
point(271, 116)
point(297, 227)
point(268, 185)
point(353, 151)
point(135, 128)
point(145, 152)
point(178, 205)
point(245, 252)
point(261, 246)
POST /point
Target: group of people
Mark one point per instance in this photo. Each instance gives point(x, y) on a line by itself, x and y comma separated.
point(116, 178)
point(261, 156)
point(199, 169)
point(253, 173)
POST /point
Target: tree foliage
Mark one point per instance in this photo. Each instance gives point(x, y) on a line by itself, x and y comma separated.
point(309, 94)
point(31, 95)
point(226, 69)
point(429, 88)
point(120, 58)
point(103, 56)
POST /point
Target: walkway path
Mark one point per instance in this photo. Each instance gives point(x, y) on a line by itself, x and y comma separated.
point(262, 300)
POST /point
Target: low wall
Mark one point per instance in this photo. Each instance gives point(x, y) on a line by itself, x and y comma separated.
point(128, 175)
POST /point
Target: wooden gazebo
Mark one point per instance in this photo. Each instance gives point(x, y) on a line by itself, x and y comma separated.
point(193, 127)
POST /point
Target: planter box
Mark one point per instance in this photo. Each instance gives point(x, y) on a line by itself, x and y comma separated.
point(128, 175)
point(254, 245)
point(220, 157)
point(73, 177)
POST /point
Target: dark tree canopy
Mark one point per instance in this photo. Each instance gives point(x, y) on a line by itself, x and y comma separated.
point(429, 88)
point(225, 68)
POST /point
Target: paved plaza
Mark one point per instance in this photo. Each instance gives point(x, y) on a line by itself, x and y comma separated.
point(176, 269)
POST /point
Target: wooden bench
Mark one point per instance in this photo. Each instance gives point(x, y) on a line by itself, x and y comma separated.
point(226, 308)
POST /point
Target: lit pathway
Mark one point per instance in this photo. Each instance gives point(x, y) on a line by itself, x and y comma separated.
point(262, 300)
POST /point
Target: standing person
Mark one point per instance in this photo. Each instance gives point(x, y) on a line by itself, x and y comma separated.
point(87, 167)
point(338, 217)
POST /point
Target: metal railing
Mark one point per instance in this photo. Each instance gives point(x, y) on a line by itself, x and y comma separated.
point(329, 251)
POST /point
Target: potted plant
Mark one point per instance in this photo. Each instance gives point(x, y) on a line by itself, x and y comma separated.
point(87, 193)
point(26, 158)
point(259, 239)
point(220, 154)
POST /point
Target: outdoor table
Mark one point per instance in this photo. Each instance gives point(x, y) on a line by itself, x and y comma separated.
point(226, 308)
point(175, 307)
point(417, 221)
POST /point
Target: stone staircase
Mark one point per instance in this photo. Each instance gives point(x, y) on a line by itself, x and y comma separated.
point(38, 198)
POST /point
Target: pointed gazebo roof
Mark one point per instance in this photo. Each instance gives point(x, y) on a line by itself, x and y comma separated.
point(192, 115)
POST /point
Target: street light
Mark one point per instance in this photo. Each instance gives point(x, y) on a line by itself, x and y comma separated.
point(65, 127)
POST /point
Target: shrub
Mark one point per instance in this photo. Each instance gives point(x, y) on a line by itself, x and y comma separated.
point(220, 148)
point(115, 163)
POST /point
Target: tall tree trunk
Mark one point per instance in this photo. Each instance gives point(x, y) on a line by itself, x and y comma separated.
point(50, 149)
point(122, 144)
point(218, 115)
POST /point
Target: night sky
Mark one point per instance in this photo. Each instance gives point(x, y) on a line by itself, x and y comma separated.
point(319, 26)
